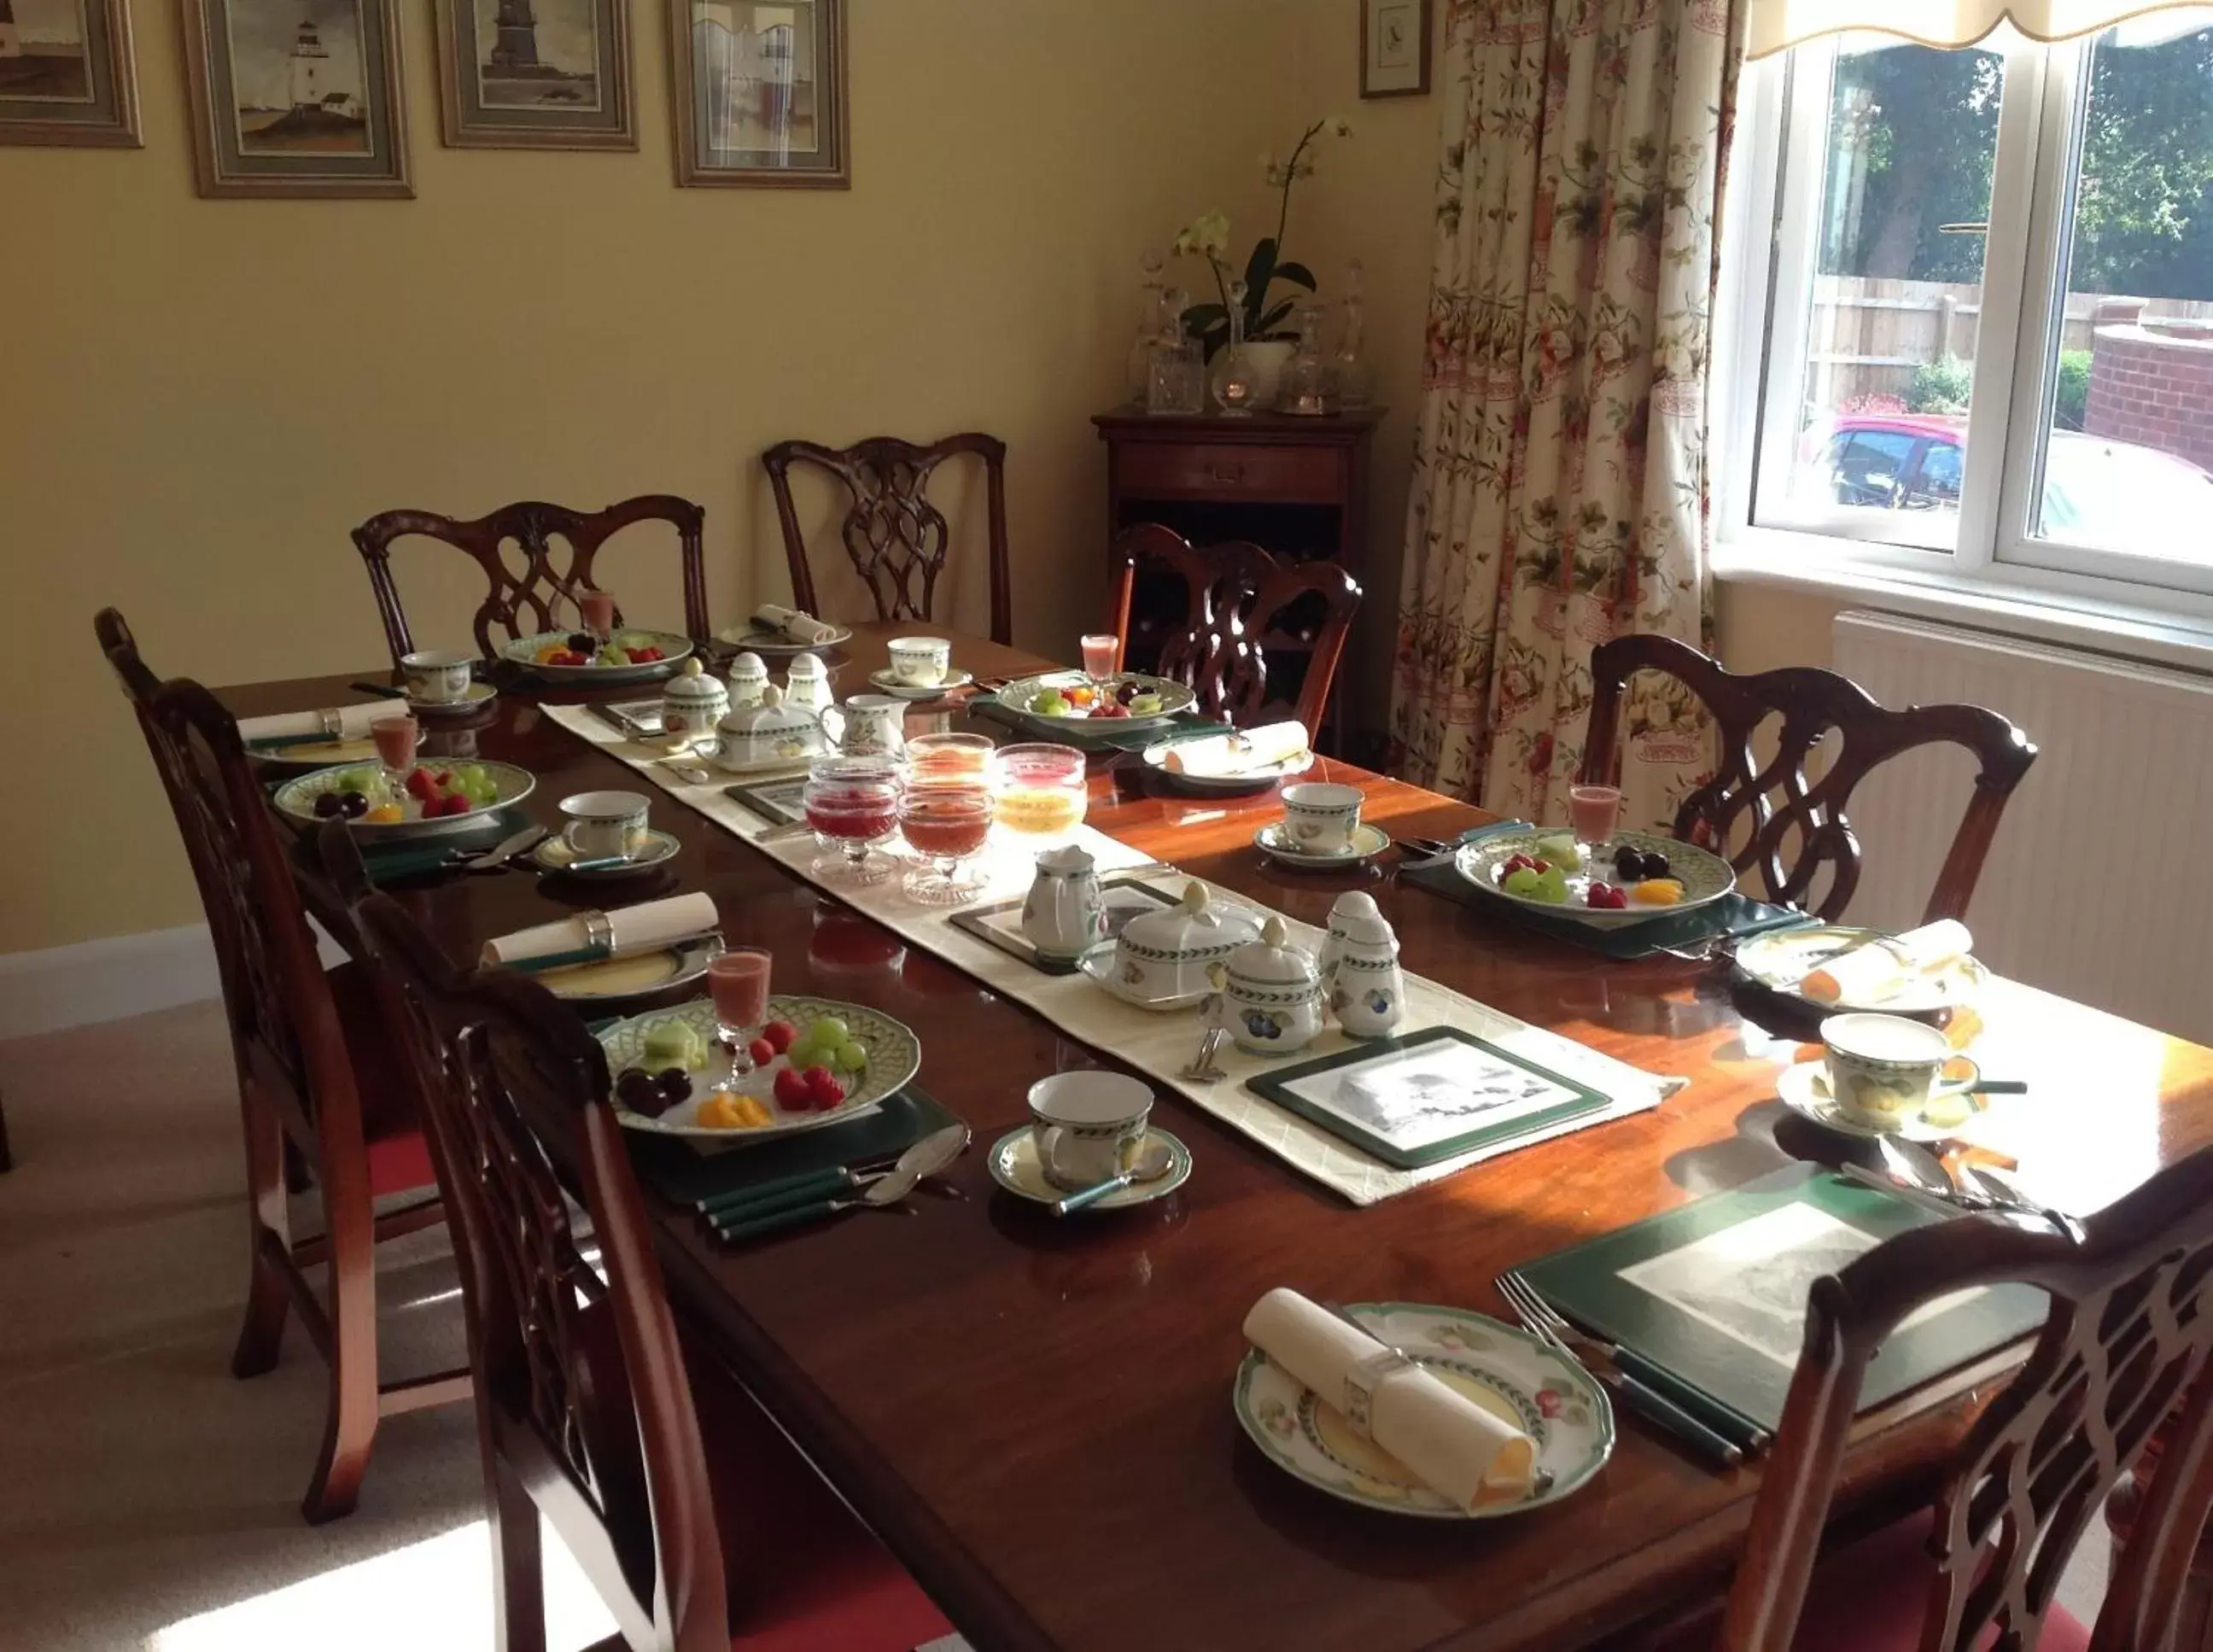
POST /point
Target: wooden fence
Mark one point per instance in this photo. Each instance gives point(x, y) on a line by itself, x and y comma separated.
point(1869, 334)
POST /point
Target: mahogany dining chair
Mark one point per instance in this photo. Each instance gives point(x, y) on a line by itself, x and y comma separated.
point(2125, 1345)
point(1242, 603)
point(899, 542)
point(313, 1072)
point(523, 589)
point(1807, 829)
point(698, 1521)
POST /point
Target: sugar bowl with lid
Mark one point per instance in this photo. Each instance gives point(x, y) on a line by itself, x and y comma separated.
point(1272, 993)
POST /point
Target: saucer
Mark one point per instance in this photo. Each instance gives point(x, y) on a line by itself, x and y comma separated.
point(1013, 1166)
point(1368, 842)
point(476, 695)
point(554, 855)
point(952, 681)
point(1804, 1089)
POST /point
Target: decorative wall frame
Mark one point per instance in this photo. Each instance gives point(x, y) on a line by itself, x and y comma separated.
point(68, 77)
point(1395, 48)
point(758, 95)
point(535, 74)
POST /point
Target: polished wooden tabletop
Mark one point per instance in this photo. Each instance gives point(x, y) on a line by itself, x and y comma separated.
point(1035, 1414)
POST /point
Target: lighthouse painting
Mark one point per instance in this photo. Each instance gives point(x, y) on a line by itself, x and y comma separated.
point(296, 97)
point(535, 74)
point(65, 73)
point(42, 50)
point(537, 54)
point(297, 76)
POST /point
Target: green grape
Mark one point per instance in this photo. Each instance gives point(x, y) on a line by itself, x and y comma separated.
point(852, 1057)
point(829, 1031)
point(1552, 886)
point(1521, 881)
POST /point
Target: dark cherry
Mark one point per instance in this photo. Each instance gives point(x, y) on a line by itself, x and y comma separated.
point(676, 1084)
point(328, 805)
point(638, 1090)
point(353, 805)
point(1126, 692)
point(583, 642)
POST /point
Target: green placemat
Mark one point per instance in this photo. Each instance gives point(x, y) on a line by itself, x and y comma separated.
point(1080, 737)
point(683, 1174)
point(1715, 1291)
point(1734, 915)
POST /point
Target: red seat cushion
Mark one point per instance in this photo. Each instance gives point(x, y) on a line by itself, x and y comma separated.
point(399, 1152)
point(803, 1572)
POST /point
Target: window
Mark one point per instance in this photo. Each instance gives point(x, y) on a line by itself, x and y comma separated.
point(1977, 335)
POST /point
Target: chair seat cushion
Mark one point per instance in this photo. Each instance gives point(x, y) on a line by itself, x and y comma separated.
point(399, 1152)
point(803, 1572)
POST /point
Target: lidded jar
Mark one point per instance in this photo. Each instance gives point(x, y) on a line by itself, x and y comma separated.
point(1271, 994)
point(775, 731)
point(692, 702)
point(748, 676)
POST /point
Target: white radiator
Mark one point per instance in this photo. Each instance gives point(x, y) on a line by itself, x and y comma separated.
point(2099, 887)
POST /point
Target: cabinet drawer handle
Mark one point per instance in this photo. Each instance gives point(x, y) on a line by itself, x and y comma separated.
point(1227, 473)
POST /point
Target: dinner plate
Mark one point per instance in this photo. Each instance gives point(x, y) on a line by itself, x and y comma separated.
point(1099, 964)
point(894, 1057)
point(1781, 959)
point(522, 652)
point(1277, 845)
point(775, 645)
point(1156, 757)
point(952, 682)
point(633, 974)
point(1013, 1166)
point(1804, 1088)
point(554, 855)
point(296, 801)
point(1507, 1372)
point(310, 753)
point(1705, 876)
point(1023, 692)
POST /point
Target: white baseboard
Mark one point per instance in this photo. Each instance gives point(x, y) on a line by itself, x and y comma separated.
point(105, 980)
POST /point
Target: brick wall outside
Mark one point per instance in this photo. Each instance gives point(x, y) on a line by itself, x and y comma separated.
point(2153, 384)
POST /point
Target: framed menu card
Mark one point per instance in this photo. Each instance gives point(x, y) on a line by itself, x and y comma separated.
point(1715, 1291)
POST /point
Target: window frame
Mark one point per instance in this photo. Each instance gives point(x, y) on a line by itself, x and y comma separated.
point(1766, 289)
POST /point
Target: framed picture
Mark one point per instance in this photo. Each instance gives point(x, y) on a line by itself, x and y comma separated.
point(1395, 48)
point(779, 802)
point(1427, 1095)
point(297, 97)
point(67, 75)
point(535, 74)
point(759, 94)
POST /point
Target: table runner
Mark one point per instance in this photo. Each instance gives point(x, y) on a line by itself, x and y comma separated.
point(1159, 1044)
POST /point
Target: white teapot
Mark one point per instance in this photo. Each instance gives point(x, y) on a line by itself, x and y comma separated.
point(1271, 994)
point(1064, 914)
point(769, 734)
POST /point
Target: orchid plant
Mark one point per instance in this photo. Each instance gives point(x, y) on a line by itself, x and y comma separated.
point(1208, 237)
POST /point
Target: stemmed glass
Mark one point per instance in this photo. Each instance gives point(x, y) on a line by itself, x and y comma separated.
point(948, 825)
point(853, 803)
point(597, 610)
point(396, 738)
point(737, 983)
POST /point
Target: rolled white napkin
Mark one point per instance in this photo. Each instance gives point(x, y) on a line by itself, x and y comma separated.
point(353, 722)
point(799, 627)
point(643, 928)
point(1871, 973)
point(1225, 755)
point(1454, 1446)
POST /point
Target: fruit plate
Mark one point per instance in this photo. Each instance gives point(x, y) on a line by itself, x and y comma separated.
point(894, 1055)
point(296, 801)
point(1781, 959)
point(1022, 695)
point(775, 645)
point(1156, 757)
point(1706, 877)
point(523, 652)
point(1506, 1371)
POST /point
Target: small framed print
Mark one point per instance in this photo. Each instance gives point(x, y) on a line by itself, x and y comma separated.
point(759, 94)
point(67, 76)
point(779, 802)
point(1395, 48)
point(1427, 1095)
point(535, 74)
point(297, 97)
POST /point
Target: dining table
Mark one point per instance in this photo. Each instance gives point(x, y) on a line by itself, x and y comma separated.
point(1034, 1414)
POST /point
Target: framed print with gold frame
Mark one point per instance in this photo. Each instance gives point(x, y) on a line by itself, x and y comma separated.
point(67, 74)
point(760, 93)
point(1395, 48)
point(535, 74)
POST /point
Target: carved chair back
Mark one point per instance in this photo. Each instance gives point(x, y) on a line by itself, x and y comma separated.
point(1790, 841)
point(581, 1383)
point(898, 539)
point(2125, 1344)
point(1242, 602)
point(528, 573)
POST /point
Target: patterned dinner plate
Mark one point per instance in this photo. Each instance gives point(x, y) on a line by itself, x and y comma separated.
point(775, 645)
point(894, 1055)
point(308, 752)
point(633, 973)
point(1507, 1372)
point(1022, 695)
point(523, 652)
point(1705, 876)
point(296, 801)
point(1781, 959)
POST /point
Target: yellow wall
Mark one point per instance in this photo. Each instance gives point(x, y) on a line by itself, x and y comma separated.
point(1760, 627)
point(198, 398)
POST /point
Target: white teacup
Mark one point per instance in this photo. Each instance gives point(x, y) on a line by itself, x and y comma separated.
point(1089, 1126)
point(1321, 817)
point(919, 662)
point(603, 824)
point(1885, 1069)
point(436, 676)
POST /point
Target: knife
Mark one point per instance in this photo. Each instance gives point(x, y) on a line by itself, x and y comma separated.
point(810, 1187)
point(925, 1158)
point(505, 850)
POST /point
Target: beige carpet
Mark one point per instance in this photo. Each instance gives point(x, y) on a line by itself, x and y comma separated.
point(148, 1501)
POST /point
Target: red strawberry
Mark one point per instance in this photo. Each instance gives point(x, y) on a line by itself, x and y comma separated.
point(454, 803)
point(793, 1093)
point(780, 1034)
point(418, 785)
point(762, 1051)
point(567, 657)
point(644, 656)
point(823, 1086)
point(1541, 867)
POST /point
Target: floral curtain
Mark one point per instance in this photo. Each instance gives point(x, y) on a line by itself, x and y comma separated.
point(1559, 493)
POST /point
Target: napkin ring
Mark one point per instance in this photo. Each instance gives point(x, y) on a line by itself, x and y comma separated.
point(332, 721)
point(599, 931)
point(1360, 1383)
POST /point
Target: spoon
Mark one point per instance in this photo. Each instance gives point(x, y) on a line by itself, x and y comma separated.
point(1153, 1162)
point(695, 773)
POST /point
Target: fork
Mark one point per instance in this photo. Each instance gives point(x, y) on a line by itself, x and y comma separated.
point(1646, 1402)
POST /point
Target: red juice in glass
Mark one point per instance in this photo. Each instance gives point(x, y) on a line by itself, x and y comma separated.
point(1099, 651)
point(598, 609)
point(949, 823)
point(738, 983)
point(395, 742)
point(1594, 812)
point(853, 814)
